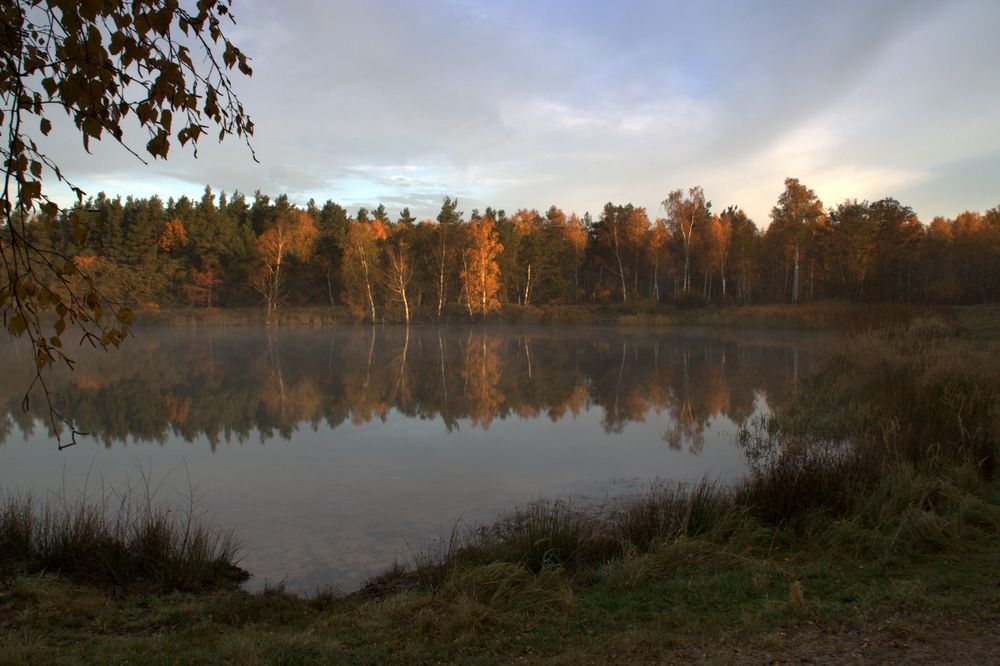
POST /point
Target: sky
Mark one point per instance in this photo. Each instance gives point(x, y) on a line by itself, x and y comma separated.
point(577, 103)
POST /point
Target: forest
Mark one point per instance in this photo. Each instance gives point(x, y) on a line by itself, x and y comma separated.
point(229, 250)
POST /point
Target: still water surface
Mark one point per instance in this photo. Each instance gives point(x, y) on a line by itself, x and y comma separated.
point(334, 452)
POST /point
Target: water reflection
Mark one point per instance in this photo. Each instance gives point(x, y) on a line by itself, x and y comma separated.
point(236, 384)
point(376, 440)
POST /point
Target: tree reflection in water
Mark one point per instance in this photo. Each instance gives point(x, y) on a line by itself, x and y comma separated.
point(234, 384)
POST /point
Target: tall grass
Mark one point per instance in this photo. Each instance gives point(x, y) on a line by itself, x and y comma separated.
point(543, 534)
point(121, 542)
point(923, 393)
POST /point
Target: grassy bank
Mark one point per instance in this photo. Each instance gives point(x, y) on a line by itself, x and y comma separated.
point(870, 521)
point(812, 316)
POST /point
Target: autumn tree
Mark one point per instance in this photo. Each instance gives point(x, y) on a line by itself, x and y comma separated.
point(481, 273)
point(710, 242)
point(360, 265)
point(658, 237)
point(792, 221)
point(620, 233)
point(293, 235)
point(202, 286)
point(898, 244)
point(852, 246)
point(744, 249)
point(399, 265)
point(722, 235)
point(528, 227)
point(684, 215)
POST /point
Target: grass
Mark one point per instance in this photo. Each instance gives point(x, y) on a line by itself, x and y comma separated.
point(926, 393)
point(122, 543)
point(678, 601)
point(872, 504)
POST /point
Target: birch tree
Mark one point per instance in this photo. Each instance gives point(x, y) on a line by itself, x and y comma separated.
point(292, 235)
point(797, 211)
point(621, 231)
point(360, 266)
point(399, 266)
point(685, 215)
point(481, 273)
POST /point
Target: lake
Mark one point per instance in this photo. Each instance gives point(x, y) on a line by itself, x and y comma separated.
point(333, 452)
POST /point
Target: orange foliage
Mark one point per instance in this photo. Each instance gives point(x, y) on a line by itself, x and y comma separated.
point(174, 235)
point(481, 274)
point(379, 230)
point(84, 262)
point(199, 290)
point(292, 235)
point(526, 221)
point(576, 234)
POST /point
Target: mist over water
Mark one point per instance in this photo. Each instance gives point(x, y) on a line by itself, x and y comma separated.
point(333, 452)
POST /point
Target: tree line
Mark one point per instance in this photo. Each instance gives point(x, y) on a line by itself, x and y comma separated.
point(235, 251)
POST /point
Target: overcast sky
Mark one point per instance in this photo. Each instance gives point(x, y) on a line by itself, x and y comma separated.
point(576, 103)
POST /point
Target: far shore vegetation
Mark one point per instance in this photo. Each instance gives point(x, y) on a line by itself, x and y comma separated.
point(233, 254)
point(872, 506)
point(821, 315)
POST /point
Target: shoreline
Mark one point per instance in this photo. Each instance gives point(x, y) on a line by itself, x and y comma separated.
point(811, 316)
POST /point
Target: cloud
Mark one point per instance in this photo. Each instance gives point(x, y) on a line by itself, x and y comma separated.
point(528, 104)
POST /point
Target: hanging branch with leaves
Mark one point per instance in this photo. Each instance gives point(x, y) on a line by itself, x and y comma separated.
point(106, 65)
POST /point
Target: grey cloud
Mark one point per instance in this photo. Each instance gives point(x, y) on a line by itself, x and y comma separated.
point(529, 104)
